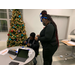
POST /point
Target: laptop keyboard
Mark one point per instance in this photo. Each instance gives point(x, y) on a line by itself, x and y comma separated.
point(20, 59)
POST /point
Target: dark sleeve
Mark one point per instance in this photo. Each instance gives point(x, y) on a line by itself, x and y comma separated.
point(48, 34)
point(35, 45)
point(25, 40)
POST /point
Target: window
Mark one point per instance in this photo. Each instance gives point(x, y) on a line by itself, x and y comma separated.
point(3, 15)
point(5, 18)
point(3, 26)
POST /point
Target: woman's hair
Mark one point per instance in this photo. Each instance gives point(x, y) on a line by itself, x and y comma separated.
point(44, 12)
point(49, 18)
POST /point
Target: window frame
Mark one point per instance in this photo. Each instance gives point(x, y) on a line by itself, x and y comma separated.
point(8, 19)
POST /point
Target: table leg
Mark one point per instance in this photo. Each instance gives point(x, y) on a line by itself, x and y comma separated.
point(72, 54)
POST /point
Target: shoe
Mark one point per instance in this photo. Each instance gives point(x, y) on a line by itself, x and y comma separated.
point(34, 64)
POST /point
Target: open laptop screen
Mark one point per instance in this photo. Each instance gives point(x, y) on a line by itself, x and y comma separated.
point(23, 53)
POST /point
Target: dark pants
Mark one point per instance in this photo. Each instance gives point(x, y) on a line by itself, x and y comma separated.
point(34, 61)
point(47, 54)
point(36, 54)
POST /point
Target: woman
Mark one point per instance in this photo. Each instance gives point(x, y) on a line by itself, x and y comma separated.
point(48, 38)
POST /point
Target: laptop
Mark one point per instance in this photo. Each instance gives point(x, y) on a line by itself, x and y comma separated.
point(13, 63)
point(22, 55)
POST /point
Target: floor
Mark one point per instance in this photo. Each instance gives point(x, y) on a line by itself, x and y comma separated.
point(59, 57)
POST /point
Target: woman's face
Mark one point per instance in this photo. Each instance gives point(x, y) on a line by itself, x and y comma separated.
point(31, 38)
point(45, 22)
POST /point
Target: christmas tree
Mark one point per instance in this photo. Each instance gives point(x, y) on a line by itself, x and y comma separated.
point(17, 33)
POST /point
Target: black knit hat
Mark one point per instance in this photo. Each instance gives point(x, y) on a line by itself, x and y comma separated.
point(32, 34)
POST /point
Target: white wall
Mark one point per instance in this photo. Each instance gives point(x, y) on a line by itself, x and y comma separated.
point(71, 22)
point(32, 19)
point(33, 24)
point(60, 12)
point(3, 36)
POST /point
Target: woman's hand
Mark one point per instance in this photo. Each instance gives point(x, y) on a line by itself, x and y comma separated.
point(28, 44)
point(36, 38)
point(38, 35)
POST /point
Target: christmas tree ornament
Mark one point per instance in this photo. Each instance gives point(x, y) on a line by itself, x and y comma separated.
point(17, 25)
point(8, 34)
point(25, 33)
point(19, 16)
point(9, 38)
point(21, 34)
point(22, 25)
point(15, 36)
point(18, 30)
point(11, 30)
point(13, 27)
point(16, 33)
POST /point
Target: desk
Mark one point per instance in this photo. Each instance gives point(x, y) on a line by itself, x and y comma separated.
point(5, 59)
point(68, 44)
